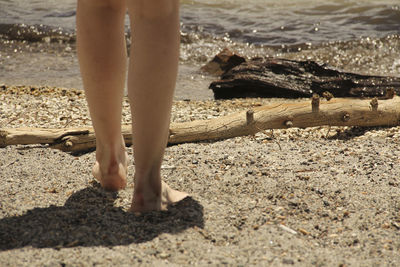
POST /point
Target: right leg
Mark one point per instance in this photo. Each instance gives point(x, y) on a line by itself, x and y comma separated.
point(151, 81)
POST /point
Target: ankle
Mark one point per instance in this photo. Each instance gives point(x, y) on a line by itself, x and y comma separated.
point(110, 146)
point(147, 185)
point(110, 158)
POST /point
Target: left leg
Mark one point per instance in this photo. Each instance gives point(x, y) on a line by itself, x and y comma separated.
point(102, 59)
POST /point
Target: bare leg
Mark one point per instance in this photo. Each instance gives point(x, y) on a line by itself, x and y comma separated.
point(152, 75)
point(102, 58)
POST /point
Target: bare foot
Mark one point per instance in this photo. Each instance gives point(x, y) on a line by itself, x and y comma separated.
point(147, 200)
point(111, 173)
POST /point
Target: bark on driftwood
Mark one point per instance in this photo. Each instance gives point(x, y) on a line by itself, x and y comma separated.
point(273, 77)
point(224, 61)
point(336, 112)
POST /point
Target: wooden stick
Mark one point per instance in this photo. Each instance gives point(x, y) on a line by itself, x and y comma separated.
point(336, 112)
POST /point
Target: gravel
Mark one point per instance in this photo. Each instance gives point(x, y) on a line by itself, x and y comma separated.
point(317, 196)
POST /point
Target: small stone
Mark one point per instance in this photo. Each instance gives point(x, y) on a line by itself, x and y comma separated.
point(288, 261)
point(303, 231)
point(163, 255)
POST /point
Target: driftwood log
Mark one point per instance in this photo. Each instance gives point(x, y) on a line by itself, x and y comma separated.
point(274, 77)
point(317, 112)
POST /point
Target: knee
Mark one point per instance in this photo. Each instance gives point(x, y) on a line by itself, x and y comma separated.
point(154, 9)
point(108, 4)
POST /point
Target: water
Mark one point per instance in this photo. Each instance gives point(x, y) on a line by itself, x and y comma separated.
point(292, 22)
point(257, 21)
point(37, 38)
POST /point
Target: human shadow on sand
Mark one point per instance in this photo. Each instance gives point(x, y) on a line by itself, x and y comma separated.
point(89, 218)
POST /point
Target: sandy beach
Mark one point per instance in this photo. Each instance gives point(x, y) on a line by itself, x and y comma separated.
point(304, 197)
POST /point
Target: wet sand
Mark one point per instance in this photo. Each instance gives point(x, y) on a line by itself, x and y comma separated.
point(286, 197)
